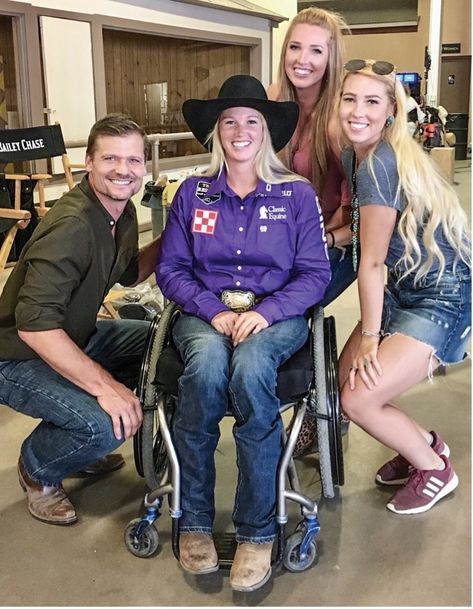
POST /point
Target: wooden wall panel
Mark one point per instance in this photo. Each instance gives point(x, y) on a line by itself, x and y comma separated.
point(7, 53)
point(190, 68)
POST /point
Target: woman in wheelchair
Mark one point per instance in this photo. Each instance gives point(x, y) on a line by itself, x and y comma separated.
point(244, 255)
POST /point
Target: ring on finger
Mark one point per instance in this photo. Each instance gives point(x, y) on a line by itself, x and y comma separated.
point(366, 362)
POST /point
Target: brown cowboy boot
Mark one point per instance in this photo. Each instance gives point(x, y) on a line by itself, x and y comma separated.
point(197, 553)
point(251, 566)
point(46, 503)
point(105, 465)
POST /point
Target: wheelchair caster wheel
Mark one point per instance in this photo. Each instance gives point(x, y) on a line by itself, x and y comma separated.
point(292, 560)
point(142, 543)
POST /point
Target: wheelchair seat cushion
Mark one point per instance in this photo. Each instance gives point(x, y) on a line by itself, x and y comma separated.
point(294, 376)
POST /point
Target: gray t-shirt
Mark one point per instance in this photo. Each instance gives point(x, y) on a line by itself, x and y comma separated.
point(382, 189)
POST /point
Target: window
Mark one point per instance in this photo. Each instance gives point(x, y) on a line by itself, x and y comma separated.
point(9, 117)
point(150, 76)
point(8, 88)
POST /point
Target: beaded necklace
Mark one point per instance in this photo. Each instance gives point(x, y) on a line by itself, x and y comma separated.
point(355, 217)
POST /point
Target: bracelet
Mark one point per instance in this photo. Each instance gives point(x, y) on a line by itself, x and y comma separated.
point(333, 240)
point(368, 333)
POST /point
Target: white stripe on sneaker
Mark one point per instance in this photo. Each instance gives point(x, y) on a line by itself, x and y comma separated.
point(434, 484)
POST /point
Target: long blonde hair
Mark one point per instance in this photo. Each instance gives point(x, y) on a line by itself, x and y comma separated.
point(431, 202)
point(268, 167)
point(334, 23)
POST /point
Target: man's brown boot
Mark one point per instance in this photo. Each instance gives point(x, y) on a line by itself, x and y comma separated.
point(47, 503)
point(105, 465)
point(197, 553)
point(251, 566)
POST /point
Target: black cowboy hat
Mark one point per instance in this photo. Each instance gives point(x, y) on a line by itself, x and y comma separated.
point(242, 91)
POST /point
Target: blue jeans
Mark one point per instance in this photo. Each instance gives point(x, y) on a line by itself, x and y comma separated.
point(218, 377)
point(343, 275)
point(435, 312)
point(74, 430)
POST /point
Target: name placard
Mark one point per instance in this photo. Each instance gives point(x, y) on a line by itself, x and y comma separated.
point(31, 143)
point(451, 47)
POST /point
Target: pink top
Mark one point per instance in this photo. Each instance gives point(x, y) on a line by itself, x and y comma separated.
point(333, 194)
point(302, 161)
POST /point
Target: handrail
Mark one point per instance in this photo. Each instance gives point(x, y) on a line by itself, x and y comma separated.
point(166, 137)
point(154, 138)
point(151, 136)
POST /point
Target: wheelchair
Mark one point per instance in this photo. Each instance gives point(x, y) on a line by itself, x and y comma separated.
point(307, 380)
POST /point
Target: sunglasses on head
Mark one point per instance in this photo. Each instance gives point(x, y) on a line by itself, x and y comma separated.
point(378, 67)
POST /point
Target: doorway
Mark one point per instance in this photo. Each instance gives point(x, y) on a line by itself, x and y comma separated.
point(455, 84)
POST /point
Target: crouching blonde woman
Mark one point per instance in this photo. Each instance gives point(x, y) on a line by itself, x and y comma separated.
point(407, 217)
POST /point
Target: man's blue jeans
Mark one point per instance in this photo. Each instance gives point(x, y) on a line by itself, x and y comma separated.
point(218, 377)
point(74, 431)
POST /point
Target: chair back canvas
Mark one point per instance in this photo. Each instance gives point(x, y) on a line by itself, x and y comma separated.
point(17, 207)
point(31, 143)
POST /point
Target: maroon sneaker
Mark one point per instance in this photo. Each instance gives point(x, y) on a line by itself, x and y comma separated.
point(398, 470)
point(423, 489)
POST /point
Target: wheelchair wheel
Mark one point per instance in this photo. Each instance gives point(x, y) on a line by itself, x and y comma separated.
point(325, 392)
point(143, 382)
point(137, 441)
point(291, 558)
point(154, 453)
point(333, 397)
point(158, 337)
point(146, 442)
point(142, 543)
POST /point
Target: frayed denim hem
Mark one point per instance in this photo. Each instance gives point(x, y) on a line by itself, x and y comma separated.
point(195, 529)
point(255, 540)
point(434, 354)
point(430, 367)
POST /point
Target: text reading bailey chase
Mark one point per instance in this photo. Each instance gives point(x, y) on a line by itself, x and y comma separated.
point(21, 145)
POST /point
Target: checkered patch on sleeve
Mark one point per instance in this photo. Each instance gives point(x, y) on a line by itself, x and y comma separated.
point(205, 221)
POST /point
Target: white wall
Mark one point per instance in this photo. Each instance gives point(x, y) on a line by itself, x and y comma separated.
point(286, 8)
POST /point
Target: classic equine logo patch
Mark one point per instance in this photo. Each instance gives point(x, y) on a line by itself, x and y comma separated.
point(272, 213)
point(204, 221)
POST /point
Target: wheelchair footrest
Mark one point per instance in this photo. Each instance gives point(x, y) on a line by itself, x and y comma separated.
point(226, 546)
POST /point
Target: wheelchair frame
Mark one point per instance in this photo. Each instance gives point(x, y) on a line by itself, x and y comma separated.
point(156, 459)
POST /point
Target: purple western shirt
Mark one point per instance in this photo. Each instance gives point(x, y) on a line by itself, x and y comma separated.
point(272, 242)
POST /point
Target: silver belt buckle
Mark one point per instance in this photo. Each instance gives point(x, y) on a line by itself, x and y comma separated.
point(238, 300)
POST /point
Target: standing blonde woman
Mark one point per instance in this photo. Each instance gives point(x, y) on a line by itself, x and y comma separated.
point(310, 73)
point(407, 217)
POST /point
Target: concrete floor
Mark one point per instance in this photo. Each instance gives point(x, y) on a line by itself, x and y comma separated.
point(367, 555)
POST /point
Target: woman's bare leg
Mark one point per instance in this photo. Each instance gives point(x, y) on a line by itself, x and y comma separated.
point(405, 362)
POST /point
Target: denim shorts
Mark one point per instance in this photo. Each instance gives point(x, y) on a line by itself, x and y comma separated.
point(438, 314)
